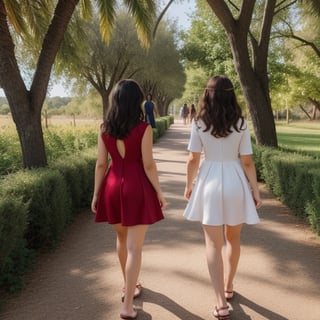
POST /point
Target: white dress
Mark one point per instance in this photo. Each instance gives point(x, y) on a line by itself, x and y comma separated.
point(221, 194)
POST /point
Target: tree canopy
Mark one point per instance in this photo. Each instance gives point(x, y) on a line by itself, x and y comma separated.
point(46, 22)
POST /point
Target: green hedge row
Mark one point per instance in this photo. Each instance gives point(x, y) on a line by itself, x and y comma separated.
point(36, 206)
point(294, 179)
point(162, 125)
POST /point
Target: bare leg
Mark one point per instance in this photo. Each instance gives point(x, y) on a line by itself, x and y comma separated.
point(214, 238)
point(135, 239)
point(232, 254)
point(122, 248)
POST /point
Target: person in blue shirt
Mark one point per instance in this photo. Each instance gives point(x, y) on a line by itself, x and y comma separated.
point(149, 111)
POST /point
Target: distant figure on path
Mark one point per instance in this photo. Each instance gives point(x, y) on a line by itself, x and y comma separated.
point(185, 113)
point(127, 192)
point(149, 111)
point(221, 198)
point(193, 112)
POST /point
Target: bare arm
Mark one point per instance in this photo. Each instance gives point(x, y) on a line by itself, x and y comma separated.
point(192, 170)
point(149, 164)
point(100, 171)
point(250, 171)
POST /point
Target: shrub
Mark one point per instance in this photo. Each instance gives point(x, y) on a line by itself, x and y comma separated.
point(161, 126)
point(13, 224)
point(293, 178)
point(78, 172)
point(313, 204)
point(15, 265)
point(10, 153)
point(15, 257)
point(45, 193)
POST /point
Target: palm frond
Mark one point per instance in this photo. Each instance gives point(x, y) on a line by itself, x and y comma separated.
point(107, 17)
point(38, 14)
point(143, 12)
point(86, 10)
point(29, 17)
point(15, 16)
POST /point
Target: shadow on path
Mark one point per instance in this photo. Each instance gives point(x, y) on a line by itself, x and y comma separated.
point(157, 298)
point(239, 301)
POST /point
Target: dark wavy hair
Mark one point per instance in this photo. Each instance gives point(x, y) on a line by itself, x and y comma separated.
point(125, 110)
point(219, 109)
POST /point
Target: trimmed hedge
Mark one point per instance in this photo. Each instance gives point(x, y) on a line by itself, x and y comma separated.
point(294, 179)
point(162, 124)
point(77, 171)
point(15, 258)
point(35, 207)
point(313, 205)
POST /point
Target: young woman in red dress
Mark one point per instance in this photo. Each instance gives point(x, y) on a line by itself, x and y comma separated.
point(127, 192)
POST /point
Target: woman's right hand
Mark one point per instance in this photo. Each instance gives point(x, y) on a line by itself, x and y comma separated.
point(94, 204)
point(256, 198)
point(187, 193)
point(162, 200)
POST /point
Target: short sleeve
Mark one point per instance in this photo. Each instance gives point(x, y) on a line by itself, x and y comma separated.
point(245, 147)
point(195, 144)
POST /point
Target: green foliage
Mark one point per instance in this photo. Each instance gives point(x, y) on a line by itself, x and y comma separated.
point(45, 192)
point(60, 141)
point(162, 72)
point(15, 265)
point(10, 151)
point(13, 224)
point(300, 137)
point(206, 45)
point(36, 206)
point(293, 178)
point(257, 156)
point(57, 102)
point(4, 109)
point(313, 205)
point(88, 106)
point(15, 257)
point(161, 126)
point(92, 63)
point(78, 172)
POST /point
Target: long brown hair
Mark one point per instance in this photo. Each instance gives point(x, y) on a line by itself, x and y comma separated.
point(125, 110)
point(219, 109)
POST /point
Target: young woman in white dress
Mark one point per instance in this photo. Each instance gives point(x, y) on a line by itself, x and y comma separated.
point(225, 194)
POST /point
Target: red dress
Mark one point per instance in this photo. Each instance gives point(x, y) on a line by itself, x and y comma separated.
point(126, 194)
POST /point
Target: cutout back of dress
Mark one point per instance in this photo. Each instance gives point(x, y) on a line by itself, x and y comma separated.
point(121, 148)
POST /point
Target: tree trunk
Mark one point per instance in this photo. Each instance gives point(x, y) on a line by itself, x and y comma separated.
point(256, 93)
point(105, 103)
point(31, 139)
point(305, 111)
point(26, 105)
point(316, 106)
point(253, 75)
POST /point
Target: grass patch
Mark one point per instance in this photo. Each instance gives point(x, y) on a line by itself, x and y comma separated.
point(300, 137)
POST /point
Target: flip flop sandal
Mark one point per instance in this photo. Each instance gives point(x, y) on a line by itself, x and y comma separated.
point(124, 316)
point(216, 313)
point(137, 292)
point(228, 294)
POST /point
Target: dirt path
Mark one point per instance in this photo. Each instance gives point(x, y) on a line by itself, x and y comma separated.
point(278, 276)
